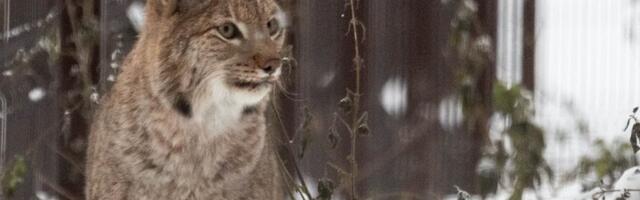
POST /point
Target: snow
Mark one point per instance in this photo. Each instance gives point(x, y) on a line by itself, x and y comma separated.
point(21, 29)
point(630, 179)
point(8, 73)
point(135, 12)
point(283, 19)
point(42, 195)
point(327, 79)
point(36, 94)
point(95, 97)
point(450, 112)
point(312, 185)
point(570, 191)
point(394, 96)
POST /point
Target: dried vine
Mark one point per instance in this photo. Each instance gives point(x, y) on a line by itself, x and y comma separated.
point(358, 119)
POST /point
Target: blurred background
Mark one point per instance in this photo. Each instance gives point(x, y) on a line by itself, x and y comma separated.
point(501, 99)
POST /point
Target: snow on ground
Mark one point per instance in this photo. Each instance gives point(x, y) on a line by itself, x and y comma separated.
point(587, 80)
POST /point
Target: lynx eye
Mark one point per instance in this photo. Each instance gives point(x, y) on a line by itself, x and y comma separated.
point(229, 31)
point(273, 26)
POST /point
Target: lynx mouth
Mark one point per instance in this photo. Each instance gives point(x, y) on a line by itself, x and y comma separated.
point(252, 85)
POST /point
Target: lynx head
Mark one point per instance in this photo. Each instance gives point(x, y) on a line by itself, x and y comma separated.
point(216, 52)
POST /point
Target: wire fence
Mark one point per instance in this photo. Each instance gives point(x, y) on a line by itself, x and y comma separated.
point(587, 64)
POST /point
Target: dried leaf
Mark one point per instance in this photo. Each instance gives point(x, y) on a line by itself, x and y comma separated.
point(627, 125)
point(625, 195)
point(334, 137)
point(306, 132)
point(462, 195)
point(363, 130)
point(635, 135)
point(346, 104)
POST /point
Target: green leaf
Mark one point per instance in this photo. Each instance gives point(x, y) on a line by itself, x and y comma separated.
point(325, 189)
point(14, 177)
point(505, 99)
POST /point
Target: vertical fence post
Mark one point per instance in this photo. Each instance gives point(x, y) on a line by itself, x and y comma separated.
point(3, 131)
point(529, 44)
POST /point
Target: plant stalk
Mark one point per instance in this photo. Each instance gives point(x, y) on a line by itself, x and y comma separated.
point(357, 60)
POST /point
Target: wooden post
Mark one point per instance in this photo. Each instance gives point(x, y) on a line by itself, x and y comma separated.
point(529, 56)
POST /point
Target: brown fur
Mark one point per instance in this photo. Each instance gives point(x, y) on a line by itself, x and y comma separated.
point(174, 126)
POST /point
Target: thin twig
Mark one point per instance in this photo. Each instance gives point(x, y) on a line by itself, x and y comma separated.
point(601, 193)
point(289, 151)
point(289, 179)
point(56, 187)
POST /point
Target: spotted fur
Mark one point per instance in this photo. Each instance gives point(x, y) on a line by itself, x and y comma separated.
point(185, 119)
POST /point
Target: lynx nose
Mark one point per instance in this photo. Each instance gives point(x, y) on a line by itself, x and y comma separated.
point(271, 66)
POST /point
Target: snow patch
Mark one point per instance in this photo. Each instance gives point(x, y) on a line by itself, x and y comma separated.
point(394, 96)
point(450, 112)
point(8, 34)
point(135, 12)
point(8, 73)
point(111, 78)
point(94, 97)
point(36, 94)
point(42, 195)
point(327, 79)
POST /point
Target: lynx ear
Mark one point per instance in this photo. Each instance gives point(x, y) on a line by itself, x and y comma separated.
point(165, 7)
point(171, 7)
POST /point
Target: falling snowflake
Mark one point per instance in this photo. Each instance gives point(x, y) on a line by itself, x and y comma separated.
point(450, 112)
point(471, 5)
point(94, 97)
point(42, 195)
point(483, 43)
point(393, 96)
point(36, 94)
point(327, 79)
point(135, 12)
point(8, 73)
point(8, 33)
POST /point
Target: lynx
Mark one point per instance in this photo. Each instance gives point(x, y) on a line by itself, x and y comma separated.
point(185, 118)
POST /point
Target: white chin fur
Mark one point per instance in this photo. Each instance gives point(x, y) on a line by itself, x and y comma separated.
point(223, 106)
point(225, 95)
point(249, 98)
